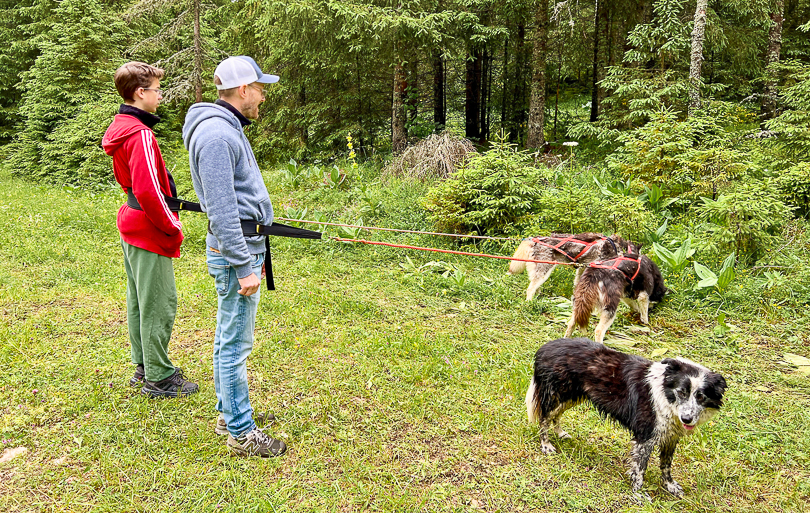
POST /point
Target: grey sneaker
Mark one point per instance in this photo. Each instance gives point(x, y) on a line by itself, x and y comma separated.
point(175, 385)
point(137, 379)
point(256, 443)
point(261, 419)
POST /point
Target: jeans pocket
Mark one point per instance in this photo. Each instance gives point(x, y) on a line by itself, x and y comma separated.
point(257, 260)
point(221, 272)
point(221, 275)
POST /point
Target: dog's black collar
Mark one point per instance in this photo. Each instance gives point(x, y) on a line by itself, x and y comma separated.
point(615, 250)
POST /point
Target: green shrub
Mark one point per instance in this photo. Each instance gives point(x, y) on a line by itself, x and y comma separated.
point(494, 192)
point(690, 157)
point(574, 208)
point(566, 209)
point(794, 186)
point(746, 220)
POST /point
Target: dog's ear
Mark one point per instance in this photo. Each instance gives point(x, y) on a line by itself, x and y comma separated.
point(673, 366)
point(633, 248)
point(717, 382)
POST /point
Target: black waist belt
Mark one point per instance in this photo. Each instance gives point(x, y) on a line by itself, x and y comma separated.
point(175, 204)
point(254, 229)
point(249, 228)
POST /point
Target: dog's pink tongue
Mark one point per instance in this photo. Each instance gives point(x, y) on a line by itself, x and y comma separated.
point(688, 428)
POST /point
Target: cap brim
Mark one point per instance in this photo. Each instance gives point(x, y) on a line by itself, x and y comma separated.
point(268, 79)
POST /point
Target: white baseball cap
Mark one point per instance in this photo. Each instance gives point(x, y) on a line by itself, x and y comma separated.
point(241, 70)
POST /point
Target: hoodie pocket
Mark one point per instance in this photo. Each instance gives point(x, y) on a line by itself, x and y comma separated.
point(265, 211)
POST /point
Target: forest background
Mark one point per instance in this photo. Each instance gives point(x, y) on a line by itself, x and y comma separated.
point(684, 125)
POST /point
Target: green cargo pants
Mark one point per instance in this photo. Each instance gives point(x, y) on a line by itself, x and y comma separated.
point(151, 307)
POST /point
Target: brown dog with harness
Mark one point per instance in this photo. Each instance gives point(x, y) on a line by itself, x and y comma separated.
point(632, 279)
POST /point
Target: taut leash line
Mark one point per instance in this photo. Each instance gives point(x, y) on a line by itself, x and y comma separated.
point(452, 252)
point(397, 230)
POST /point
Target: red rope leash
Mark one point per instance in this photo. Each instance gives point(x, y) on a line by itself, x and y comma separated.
point(396, 230)
point(437, 250)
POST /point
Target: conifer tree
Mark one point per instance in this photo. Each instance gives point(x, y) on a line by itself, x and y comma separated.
point(21, 22)
point(68, 95)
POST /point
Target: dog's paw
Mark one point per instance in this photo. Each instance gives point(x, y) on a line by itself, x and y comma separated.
point(547, 448)
point(563, 435)
point(674, 488)
point(642, 498)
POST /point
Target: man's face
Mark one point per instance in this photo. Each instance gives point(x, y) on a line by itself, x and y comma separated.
point(151, 96)
point(255, 97)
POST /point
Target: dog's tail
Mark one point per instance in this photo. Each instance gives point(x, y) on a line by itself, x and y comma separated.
point(532, 404)
point(586, 297)
point(517, 266)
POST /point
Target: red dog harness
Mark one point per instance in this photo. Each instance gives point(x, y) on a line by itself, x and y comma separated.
point(614, 265)
point(588, 245)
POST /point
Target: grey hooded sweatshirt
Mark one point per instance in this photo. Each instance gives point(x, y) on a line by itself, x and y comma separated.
point(227, 181)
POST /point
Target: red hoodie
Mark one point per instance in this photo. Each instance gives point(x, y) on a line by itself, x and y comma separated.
point(138, 165)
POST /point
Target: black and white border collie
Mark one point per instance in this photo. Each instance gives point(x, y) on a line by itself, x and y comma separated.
point(658, 402)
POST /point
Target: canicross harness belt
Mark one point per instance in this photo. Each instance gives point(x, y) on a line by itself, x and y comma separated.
point(558, 247)
point(249, 228)
point(614, 265)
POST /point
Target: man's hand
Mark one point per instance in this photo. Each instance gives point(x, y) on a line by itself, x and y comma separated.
point(250, 284)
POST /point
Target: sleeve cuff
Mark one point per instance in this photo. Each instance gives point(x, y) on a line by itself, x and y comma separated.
point(243, 271)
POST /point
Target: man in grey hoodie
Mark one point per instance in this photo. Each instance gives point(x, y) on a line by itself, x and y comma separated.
point(230, 187)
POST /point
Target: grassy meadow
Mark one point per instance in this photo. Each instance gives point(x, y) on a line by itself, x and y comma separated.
point(397, 388)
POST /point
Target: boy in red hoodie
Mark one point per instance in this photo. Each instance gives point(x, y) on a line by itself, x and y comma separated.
point(151, 234)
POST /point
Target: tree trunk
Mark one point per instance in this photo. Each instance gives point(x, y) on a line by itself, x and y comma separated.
point(557, 97)
point(597, 14)
point(535, 138)
point(517, 95)
point(768, 106)
point(439, 112)
point(303, 131)
point(197, 53)
point(698, 34)
point(486, 73)
point(398, 115)
point(412, 90)
point(472, 104)
point(504, 76)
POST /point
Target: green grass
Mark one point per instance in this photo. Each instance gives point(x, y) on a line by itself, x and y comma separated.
point(395, 392)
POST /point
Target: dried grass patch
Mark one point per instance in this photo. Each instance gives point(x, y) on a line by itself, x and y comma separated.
point(437, 156)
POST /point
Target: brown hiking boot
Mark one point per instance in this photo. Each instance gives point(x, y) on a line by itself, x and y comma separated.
point(260, 418)
point(256, 443)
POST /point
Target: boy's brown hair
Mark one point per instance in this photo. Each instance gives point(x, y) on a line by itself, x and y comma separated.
point(132, 75)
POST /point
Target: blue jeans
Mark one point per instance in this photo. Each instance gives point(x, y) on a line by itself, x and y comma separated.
point(233, 342)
